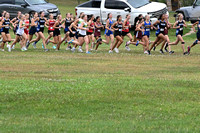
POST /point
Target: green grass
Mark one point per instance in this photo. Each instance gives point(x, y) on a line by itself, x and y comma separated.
point(74, 92)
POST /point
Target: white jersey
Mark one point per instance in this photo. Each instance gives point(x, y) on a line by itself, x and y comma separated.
point(83, 32)
point(79, 23)
point(20, 31)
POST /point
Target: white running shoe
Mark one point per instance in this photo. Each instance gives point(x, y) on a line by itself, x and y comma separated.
point(67, 48)
point(73, 49)
point(13, 47)
point(110, 51)
point(80, 50)
point(34, 45)
point(116, 50)
point(2, 50)
point(9, 48)
point(127, 48)
point(146, 52)
point(25, 49)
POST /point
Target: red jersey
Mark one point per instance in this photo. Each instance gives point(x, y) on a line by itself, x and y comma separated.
point(26, 30)
point(127, 29)
point(51, 24)
point(91, 30)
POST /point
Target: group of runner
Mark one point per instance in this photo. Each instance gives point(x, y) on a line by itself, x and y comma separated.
point(88, 28)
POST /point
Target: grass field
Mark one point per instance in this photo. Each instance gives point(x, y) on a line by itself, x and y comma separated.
point(73, 92)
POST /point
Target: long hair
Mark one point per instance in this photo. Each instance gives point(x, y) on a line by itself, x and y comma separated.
point(108, 16)
point(118, 17)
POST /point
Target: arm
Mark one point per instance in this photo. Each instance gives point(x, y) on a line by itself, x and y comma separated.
point(47, 24)
point(124, 25)
point(107, 24)
point(81, 27)
point(193, 26)
point(157, 22)
point(70, 28)
point(185, 25)
point(174, 26)
point(113, 26)
point(12, 22)
point(21, 24)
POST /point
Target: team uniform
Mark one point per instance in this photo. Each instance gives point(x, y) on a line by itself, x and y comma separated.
point(179, 31)
point(6, 28)
point(33, 29)
point(161, 28)
point(57, 31)
point(147, 28)
point(139, 34)
point(126, 31)
point(41, 23)
point(15, 28)
point(67, 24)
point(20, 31)
point(51, 24)
point(119, 27)
point(83, 33)
point(109, 32)
point(73, 33)
point(90, 31)
point(97, 31)
point(26, 30)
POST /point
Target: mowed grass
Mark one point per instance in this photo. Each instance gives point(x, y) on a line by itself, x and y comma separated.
point(74, 92)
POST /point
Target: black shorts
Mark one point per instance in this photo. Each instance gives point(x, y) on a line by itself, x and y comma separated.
point(56, 33)
point(125, 33)
point(71, 34)
point(50, 31)
point(89, 33)
point(6, 31)
point(117, 33)
point(32, 31)
point(81, 35)
point(41, 30)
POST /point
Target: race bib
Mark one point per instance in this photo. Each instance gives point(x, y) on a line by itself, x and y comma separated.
point(147, 29)
point(161, 29)
point(42, 26)
point(120, 30)
point(181, 29)
point(99, 30)
point(51, 28)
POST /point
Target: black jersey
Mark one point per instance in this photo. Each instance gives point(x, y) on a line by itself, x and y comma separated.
point(162, 26)
point(67, 23)
point(6, 28)
point(179, 31)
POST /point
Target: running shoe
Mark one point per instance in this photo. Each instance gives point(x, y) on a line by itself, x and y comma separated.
point(149, 53)
point(9, 48)
point(2, 50)
point(88, 52)
point(80, 50)
point(185, 53)
point(13, 47)
point(42, 45)
point(127, 48)
point(110, 51)
point(116, 50)
point(161, 51)
point(34, 45)
point(137, 43)
point(73, 49)
point(46, 50)
point(145, 52)
point(54, 47)
point(171, 52)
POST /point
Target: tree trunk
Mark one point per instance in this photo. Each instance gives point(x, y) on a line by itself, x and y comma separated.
point(169, 5)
